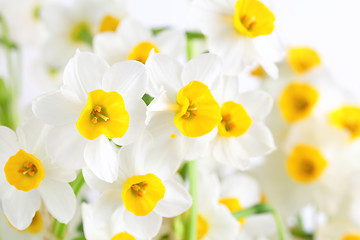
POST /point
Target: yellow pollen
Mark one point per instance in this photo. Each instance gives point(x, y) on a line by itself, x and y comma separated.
point(202, 227)
point(173, 135)
point(347, 118)
point(141, 193)
point(109, 24)
point(252, 18)
point(235, 120)
point(141, 51)
point(233, 204)
point(302, 59)
point(305, 164)
point(123, 236)
point(351, 237)
point(198, 112)
point(104, 113)
point(258, 72)
point(297, 101)
point(24, 171)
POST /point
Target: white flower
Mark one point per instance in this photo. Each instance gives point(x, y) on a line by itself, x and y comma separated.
point(184, 110)
point(240, 191)
point(340, 228)
point(145, 191)
point(29, 177)
point(24, 23)
point(33, 232)
point(112, 230)
point(215, 221)
point(72, 27)
point(241, 134)
point(133, 41)
point(237, 30)
point(311, 168)
point(96, 103)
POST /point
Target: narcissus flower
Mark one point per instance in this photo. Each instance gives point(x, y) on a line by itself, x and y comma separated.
point(96, 104)
point(215, 221)
point(146, 189)
point(133, 41)
point(29, 177)
point(241, 134)
point(73, 27)
point(240, 32)
point(184, 110)
point(112, 229)
point(241, 191)
point(308, 169)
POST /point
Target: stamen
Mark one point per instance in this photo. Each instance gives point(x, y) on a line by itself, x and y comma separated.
point(97, 113)
point(28, 168)
point(139, 188)
point(191, 111)
point(228, 123)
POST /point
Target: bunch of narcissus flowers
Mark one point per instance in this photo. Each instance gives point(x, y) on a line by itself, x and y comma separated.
point(140, 133)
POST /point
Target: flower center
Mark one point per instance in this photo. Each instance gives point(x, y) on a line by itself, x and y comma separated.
point(97, 113)
point(233, 204)
point(109, 24)
point(305, 164)
point(104, 113)
point(302, 59)
point(202, 226)
point(24, 171)
point(141, 51)
point(141, 193)
point(348, 118)
point(297, 101)
point(81, 33)
point(198, 112)
point(235, 120)
point(351, 237)
point(123, 236)
point(252, 18)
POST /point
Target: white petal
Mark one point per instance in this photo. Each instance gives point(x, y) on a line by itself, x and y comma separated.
point(94, 182)
point(164, 71)
point(257, 141)
point(57, 51)
point(127, 78)
point(107, 204)
point(84, 73)
point(110, 47)
point(257, 104)
point(55, 109)
point(59, 199)
point(146, 226)
point(91, 230)
point(233, 50)
point(195, 148)
point(152, 155)
point(223, 224)
point(32, 136)
point(243, 187)
point(206, 68)
point(132, 32)
point(9, 145)
point(66, 146)
point(171, 42)
point(56, 18)
point(137, 112)
point(20, 207)
point(57, 173)
point(100, 157)
point(176, 200)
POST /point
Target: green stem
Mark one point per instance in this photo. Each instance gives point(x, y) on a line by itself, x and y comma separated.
point(9, 105)
point(190, 48)
point(59, 229)
point(77, 183)
point(263, 208)
point(191, 228)
point(195, 35)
